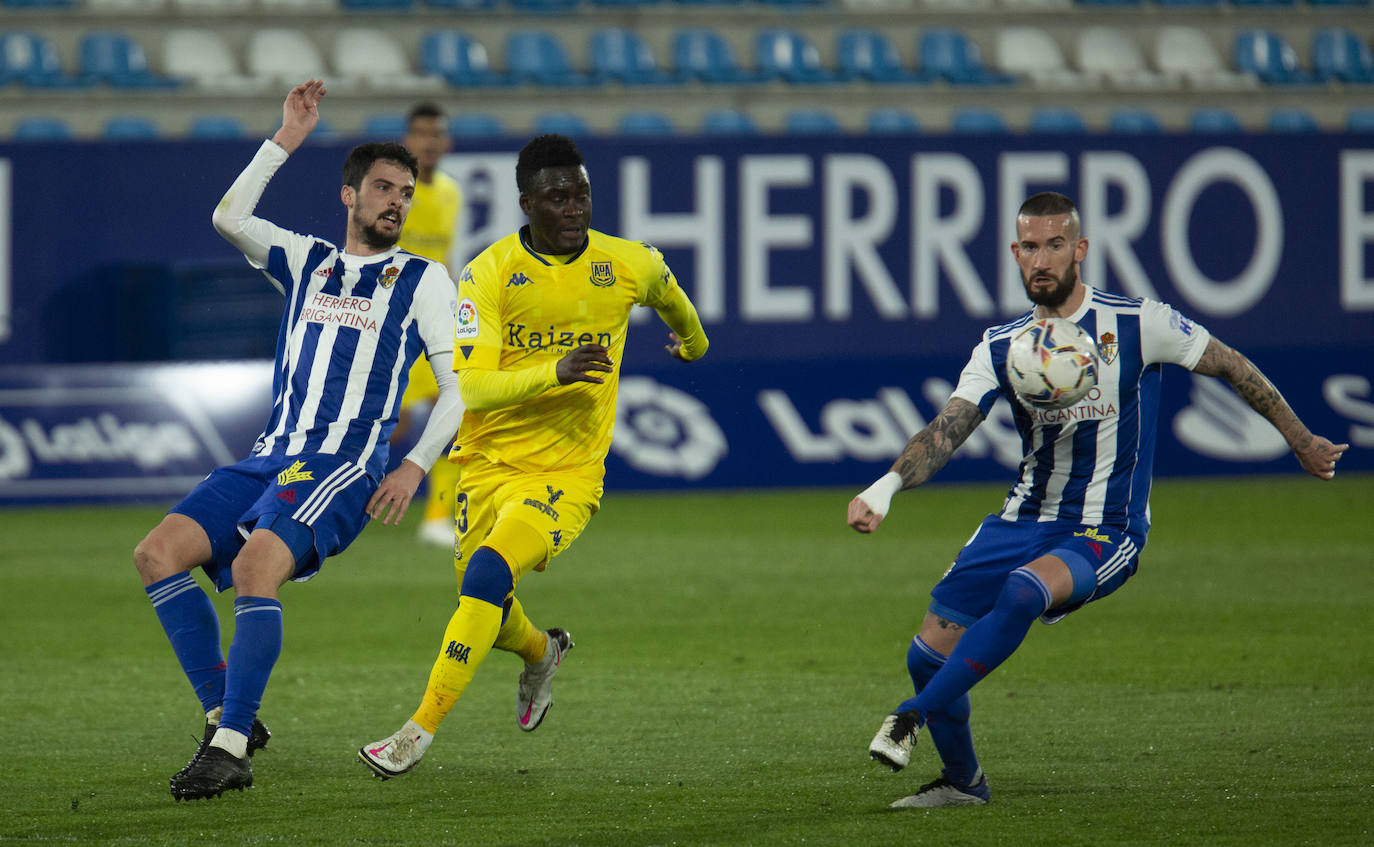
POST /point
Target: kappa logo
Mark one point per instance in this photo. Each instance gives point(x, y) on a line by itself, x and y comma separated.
point(557, 537)
point(294, 474)
point(1106, 348)
point(602, 274)
point(517, 280)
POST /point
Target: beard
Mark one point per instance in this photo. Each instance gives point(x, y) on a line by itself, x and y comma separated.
point(376, 239)
point(1054, 297)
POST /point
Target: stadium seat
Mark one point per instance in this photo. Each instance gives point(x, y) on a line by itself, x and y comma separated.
point(1360, 120)
point(544, 6)
point(1339, 2)
point(463, 5)
point(562, 123)
point(870, 55)
point(950, 55)
point(459, 59)
point(1030, 53)
point(1189, 3)
point(368, 57)
point(216, 126)
point(640, 122)
point(787, 55)
point(203, 59)
point(1133, 122)
point(1057, 120)
point(621, 55)
point(208, 7)
point(127, 7)
point(117, 60)
point(367, 5)
point(1186, 54)
point(1339, 54)
point(620, 4)
point(975, 120)
point(470, 124)
point(704, 54)
point(1209, 120)
point(538, 56)
point(1292, 120)
point(810, 122)
point(41, 129)
point(727, 122)
point(1263, 2)
point(890, 121)
point(1108, 54)
point(1264, 54)
point(130, 128)
point(283, 57)
point(387, 127)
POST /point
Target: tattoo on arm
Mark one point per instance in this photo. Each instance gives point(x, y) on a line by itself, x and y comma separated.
point(1254, 388)
point(946, 624)
point(931, 448)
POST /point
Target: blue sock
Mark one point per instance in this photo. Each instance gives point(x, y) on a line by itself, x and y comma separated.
point(948, 727)
point(989, 642)
point(188, 617)
point(257, 644)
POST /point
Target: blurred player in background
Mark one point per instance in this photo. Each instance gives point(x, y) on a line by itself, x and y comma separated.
point(430, 232)
point(542, 320)
point(355, 321)
point(1074, 523)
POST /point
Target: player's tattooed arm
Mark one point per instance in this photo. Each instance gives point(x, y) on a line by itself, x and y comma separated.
point(1317, 455)
point(931, 448)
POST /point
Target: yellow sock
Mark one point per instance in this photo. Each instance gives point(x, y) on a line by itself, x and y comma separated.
point(519, 636)
point(467, 641)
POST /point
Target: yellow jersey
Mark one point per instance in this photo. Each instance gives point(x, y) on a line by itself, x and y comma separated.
point(519, 309)
point(433, 218)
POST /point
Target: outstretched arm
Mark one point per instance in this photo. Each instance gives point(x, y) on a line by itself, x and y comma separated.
point(299, 114)
point(1317, 455)
point(926, 452)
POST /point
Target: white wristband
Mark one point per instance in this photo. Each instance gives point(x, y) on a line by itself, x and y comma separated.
point(878, 496)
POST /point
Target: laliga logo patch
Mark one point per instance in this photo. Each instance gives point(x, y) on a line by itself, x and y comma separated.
point(465, 322)
point(662, 431)
point(1106, 348)
point(602, 275)
point(388, 277)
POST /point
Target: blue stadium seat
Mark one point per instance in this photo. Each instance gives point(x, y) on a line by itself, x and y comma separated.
point(387, 127)
point(1263, 2)
point(787, 55)
point(641, 122)
point(621, 55)
point(1266, 55)
point(1360, 120)
point(892, 121)
point(459, 59)
point(543, 6)
point(975, 120)
point(39, 4)
point(538, 56)
point(728, 122)
point(710, 2)
point(1292, 120)
point(953, 57)
point(116, 59)
point(1339, 2)
point(463, 5)
point(32, 59)
point(216, 126)
point(1133, 122)
point(1214, 120)
point(470, 124)
point(368, 5)
point(624, 3)
point(1109, 2)
point(562, 123)
point(1057, 120)
point(41, 129)
point(1338, 53)
point(868, 54)
point(704, 54)
point(1189, 3)
point(131, 128)
point(811, 122)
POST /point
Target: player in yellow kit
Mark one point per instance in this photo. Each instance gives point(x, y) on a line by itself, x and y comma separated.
point(541, 326)
point(430, 232)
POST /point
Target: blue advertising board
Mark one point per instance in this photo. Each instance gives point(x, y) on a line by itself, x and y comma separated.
point(843, 282)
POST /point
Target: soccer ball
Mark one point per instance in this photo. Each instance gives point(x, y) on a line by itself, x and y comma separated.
point(1052, 364)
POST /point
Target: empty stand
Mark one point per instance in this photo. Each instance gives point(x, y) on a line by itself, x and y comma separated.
point(368, 57)
point(952, 56)
point(867, 54)
point(538, 56)
point(787, 55)
point(460, 59)
point(1108, 55)
point(1030, 53)
point(284, 57)
point(704, 54)
point(619, 55)
point(1186, 53)
point(203, 59)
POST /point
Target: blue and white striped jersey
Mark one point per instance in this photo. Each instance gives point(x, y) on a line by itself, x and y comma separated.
point(352, 328)
point(1091, 463)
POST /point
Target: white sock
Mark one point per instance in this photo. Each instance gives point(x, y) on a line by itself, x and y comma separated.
point(234, 742)
point(212, 717)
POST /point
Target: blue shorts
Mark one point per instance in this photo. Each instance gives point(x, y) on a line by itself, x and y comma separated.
point(315, 503)
point(1100, 558)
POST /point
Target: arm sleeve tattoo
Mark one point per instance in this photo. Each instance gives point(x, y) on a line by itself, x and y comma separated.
point(929, 449)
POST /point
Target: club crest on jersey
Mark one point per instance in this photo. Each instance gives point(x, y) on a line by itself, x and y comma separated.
point(388, 277)
point(294, 474)
point(1106, 348)
point(465, 320)
point(602, 275)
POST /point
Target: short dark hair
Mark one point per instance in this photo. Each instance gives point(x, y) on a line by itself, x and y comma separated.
point(1047, 204)
point(424, 110)
point(545, 151)
point(361, 158)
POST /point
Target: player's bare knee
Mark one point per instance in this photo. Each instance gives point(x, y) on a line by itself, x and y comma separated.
point(941, 634)
point(152, 559)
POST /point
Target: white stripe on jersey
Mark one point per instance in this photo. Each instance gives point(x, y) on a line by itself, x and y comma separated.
point(1095, 500)
point(315, 504)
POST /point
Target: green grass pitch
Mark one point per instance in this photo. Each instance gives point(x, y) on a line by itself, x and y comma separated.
point(735, 653)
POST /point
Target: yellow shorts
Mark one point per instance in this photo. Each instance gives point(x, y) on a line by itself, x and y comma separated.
point(556, 505)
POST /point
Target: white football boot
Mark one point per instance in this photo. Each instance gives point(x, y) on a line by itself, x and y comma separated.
point(398, 752)
point(892, 745)
point(534, 695)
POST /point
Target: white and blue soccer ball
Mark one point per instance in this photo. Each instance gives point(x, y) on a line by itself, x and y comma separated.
point(1052, 364)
